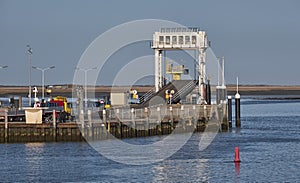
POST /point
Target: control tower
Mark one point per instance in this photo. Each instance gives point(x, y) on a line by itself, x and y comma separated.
point(181, 38)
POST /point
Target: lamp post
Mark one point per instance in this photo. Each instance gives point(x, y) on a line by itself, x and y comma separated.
point(29, 53)
point(85, 82)
point(43, 77)
point(3, 67)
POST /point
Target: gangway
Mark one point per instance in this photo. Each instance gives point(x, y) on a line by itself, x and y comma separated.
point(181, 88)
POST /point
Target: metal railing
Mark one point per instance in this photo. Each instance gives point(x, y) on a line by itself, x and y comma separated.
point(158, 113)
point(147, 95)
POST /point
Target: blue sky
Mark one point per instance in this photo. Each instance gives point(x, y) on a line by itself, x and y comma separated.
point(259, 39)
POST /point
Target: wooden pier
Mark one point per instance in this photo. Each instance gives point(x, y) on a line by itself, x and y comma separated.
point(120, 123)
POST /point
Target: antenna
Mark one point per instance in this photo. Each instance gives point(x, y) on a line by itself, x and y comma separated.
point(218, 71)
point(237, 95)
point(237, 84)
point(223, 75)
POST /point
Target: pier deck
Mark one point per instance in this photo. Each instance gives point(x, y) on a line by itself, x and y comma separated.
point(120, 123)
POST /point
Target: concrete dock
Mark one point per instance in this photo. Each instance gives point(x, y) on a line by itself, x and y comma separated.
point(120, 123)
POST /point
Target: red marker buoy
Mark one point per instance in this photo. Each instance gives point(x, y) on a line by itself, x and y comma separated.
point(237, 155)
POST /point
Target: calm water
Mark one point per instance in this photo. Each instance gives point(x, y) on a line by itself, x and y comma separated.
point(269, 143)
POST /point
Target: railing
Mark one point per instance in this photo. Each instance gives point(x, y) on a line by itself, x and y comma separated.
point(147, 95)
point(184, 91)
point(159, 113)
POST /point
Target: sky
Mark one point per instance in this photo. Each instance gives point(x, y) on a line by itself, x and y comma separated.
point(259, 39)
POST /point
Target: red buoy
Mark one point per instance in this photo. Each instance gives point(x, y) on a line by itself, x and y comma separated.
point(237, 155)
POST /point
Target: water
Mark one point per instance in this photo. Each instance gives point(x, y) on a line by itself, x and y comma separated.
point(269, 143)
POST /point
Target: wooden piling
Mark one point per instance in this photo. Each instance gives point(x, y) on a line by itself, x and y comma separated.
point(108, 127)
point(6, 126)
point(237, 111)
point(133, 123)
point(205, 113)
point(81, 119)
point(229, 114)
point(159, 130)
point(146, 125)
point(224, 124)
point(54, 124)
point(182, 121)
point(107, 131)
point(90, 125)
point(119, 126)
point(237, 106)
point(171, 118)
point(193, 118)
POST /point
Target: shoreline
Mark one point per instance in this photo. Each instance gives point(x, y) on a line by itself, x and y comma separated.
point(66, 90)
point(256, 90)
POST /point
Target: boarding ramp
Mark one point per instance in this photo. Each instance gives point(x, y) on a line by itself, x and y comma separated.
point(148, 95)
point(181, 88)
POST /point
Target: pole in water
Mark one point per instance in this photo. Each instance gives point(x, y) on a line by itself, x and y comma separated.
point(208, 92)
point(229, 111)
point(237, 155)
point(237, 107)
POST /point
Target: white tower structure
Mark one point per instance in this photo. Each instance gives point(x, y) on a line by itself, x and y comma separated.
point(181, 38)
point(221, 89)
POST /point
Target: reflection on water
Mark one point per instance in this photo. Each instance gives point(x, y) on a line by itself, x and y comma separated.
point(237, 167)
point(34, 159)
point(164, 172)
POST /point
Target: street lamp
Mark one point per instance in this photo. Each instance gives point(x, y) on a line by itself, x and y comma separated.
point(3, 67)
point(85, 82)
point(29, 53)
point(43, 77)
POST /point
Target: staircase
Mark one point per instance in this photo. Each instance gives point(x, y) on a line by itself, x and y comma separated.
point(181, 88)
point(149, 94)
point(184, 91)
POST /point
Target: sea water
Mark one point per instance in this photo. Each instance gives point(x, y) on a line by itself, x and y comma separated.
point(269, 143)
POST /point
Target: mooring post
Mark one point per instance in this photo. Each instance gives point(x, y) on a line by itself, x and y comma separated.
point(229, 106)
point(146, 127)
point(194, 121)
point(81, 118)
point(237, 106)
point(105, 121)
point(189, 117)
point(225, 125)
point(133, 125)
point(90, 125)
point(158, 120)
point(237, 111)
point(205, 113)
point(119, 129)
point(108, 127)
point(54, 124)
point(171, 118)
point(183, 122)
point(6, 125)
